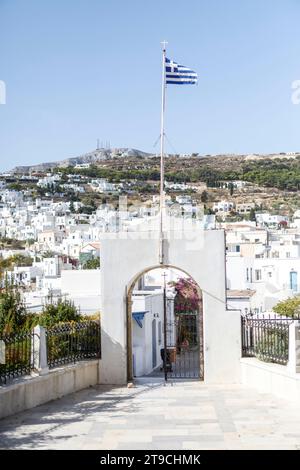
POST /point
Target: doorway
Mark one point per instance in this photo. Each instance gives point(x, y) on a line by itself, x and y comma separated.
point(167, 341)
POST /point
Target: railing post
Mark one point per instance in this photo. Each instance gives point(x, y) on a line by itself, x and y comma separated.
point(39, 350)
point(294, 347)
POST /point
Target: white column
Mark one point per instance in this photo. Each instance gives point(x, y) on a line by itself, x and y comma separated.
point(294, 347)
point(39, 350)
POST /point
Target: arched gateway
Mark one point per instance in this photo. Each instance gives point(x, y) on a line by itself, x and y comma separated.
point(182, 333)
point(201, 254)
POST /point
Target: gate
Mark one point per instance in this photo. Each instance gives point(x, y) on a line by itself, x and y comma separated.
point(184, 357)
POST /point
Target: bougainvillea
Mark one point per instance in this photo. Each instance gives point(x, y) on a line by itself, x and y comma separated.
point(187, 298)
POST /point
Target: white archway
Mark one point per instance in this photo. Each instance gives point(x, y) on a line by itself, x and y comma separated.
point(130, 288)
point(199, 253)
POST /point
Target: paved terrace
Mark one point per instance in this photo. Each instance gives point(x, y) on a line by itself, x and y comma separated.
point(185, 415)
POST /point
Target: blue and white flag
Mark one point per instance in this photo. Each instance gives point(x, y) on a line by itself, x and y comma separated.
point(179, 74)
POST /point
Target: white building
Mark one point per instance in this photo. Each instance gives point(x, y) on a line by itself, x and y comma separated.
point(263, 260)
point(48, 180)
point(266, 219)
point(223, 206)
point(245, 207)
point(102, 185)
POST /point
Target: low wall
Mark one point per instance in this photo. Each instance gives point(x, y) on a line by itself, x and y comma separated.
point(271, 378)
point(30, 391)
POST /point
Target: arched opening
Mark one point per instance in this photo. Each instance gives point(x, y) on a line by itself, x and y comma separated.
point(164, 325)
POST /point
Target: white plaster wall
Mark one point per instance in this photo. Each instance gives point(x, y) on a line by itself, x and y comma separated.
point(83, 288)
point(142, 337)
point(236, 272)
point(202, 255)
point(28, 392)
point(88, 304)
point(82, 281)
point(241, 304)
point(271, 378)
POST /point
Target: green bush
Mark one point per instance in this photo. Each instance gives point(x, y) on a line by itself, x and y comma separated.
point(289, 307)
point(62, 311)
point(13, 313)
point(275, 344)
point(92, 263)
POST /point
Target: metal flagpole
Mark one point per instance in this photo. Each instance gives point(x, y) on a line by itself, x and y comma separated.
point(162, 169)
point(166, 359)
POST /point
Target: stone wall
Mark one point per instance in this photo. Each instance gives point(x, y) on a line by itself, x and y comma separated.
point(31, 391)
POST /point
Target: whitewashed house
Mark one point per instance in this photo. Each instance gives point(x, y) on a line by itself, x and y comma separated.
point(223, 206)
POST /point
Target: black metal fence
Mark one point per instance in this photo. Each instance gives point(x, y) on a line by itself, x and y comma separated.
point(16, 355)
point(65, 344)
point(73, 342)
point(266, 338)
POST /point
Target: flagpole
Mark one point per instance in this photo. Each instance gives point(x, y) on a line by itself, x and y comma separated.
point(162, 142)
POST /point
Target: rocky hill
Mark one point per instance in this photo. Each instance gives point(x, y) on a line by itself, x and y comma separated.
point(90, 157)
point(118, 156)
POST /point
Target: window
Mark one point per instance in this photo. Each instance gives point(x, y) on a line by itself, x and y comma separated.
point(257, 274)
point(294, 281)
point(288, 254)
point(251, 275)
point(238, 249)
point(247, 274)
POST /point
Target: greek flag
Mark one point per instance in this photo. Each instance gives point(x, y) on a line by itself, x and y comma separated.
point(179, 74)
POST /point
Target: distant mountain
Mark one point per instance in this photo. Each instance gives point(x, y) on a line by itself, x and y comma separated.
point(90, 157)
point(104, 154)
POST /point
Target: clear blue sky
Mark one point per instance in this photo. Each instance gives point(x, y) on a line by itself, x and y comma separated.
point(78, 70)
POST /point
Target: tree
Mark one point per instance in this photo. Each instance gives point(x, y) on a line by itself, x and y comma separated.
point(48, 254)
point(93, 263)
point(208, 211)
point(72, 208)
point(204, 196)
point(21, 260)
point(15, 186)
point(5, 265)
point(252, 215)
point(231, 188)
point(62, 311)
point(13, 314)
point(289, 307)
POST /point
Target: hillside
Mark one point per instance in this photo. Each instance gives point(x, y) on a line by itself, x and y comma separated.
point(103, 154)
point(94, 156)
point(280, 173)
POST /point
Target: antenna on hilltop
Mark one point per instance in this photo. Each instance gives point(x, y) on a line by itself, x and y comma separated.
point(97, 144)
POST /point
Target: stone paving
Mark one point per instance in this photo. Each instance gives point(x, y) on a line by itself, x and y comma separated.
point(151, 416)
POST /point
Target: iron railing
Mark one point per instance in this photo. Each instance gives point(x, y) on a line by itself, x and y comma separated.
point(17, 355)
point(69, 343)
point(266, 338)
